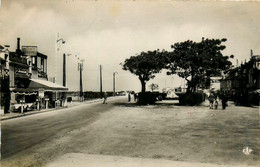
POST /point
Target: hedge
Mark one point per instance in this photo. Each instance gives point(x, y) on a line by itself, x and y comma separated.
point(191, 98)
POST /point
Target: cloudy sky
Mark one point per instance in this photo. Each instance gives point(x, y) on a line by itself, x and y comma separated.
point(106, 33)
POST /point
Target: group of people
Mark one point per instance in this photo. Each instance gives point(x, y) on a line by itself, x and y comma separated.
point(213, 101)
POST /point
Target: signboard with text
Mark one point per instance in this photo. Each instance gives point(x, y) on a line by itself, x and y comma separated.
point(29, 50)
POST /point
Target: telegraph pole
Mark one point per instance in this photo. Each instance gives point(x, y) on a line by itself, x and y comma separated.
point(64, 69)
point(100, 68)
point(58, 39)
point(114, 83)
point(80, 80)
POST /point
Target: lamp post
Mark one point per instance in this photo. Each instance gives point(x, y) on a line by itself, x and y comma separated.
point(80, 68)
point(100, 76)
point(58, 39)
point(114, 83)
point(64, 68)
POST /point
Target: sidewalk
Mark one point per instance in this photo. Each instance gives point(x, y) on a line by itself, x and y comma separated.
point(69, 105)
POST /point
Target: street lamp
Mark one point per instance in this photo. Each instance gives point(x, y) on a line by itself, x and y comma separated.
point(80, 69)
point(114, 83)
point(64, 68)
point(58, 39)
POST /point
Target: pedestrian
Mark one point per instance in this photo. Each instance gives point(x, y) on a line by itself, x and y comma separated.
point(129, 97)
point(211, 100)
point(135, 96)
point(224, 101)
point(216, 103)
point(105, 98)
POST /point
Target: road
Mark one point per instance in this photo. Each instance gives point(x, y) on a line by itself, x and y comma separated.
point(163, 131)
point(24, 138)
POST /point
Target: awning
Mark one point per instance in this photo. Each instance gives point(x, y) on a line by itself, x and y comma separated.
point(45, 85)
point(24, 91)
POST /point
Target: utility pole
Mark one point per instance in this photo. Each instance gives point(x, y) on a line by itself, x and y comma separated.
point(100, 68)
point(64, 69)
point(80, 80)
point(58, 39)
point(114, 83)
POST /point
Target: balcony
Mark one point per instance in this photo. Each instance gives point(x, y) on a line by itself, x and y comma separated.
point(42, 74)
point(18, 61)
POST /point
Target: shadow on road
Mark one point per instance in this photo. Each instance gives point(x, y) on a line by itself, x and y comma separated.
point(157, 104)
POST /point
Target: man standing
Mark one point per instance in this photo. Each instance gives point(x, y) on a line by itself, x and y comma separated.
point(224, 99)
point(105, 98)
point(211, 100)
point(129, 97)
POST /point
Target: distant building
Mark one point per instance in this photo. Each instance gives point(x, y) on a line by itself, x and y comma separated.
point(215, 83)
point(242, 84)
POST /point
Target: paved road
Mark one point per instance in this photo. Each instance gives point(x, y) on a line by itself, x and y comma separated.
point(22, 136)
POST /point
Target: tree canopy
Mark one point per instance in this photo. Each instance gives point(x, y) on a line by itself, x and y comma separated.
point(145, 65)
point(197, 61)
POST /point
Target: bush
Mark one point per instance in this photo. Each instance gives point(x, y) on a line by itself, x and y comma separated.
point(191, 98)
point(146, 98)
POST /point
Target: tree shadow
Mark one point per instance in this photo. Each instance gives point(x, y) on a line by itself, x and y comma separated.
point(126, 104)
point(157, 104)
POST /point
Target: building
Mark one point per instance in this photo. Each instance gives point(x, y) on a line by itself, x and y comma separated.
point(29, 86)
point(4, 80)
point(215, 83)
point(242, 84)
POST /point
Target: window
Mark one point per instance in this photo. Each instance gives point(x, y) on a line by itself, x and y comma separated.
point(42, 64)
point(258, 65)
point(33, 60)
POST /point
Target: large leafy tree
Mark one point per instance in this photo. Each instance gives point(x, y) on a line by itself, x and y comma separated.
point(145, 65)
point(197, 61)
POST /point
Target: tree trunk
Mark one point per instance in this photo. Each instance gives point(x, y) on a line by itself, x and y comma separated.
point(188, 86)
point(143, 86)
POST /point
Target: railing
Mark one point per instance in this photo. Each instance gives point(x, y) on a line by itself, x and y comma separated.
point(42, 74)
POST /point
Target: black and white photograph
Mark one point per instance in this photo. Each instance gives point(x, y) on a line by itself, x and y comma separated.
point(130, 83)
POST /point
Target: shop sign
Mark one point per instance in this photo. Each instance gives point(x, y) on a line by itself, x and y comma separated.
point(30, 50)
point(21, 70)
point(41, 93)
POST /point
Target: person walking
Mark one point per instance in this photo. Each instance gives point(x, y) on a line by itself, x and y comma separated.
point(135, 96)
point(211, 100)
point(105, 98)
point(129, 97)
point(216, 103)
point(224, 101)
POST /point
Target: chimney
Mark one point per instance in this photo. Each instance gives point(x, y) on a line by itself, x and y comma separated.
point(18, 45)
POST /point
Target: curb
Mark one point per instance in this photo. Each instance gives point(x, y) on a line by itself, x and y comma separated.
point(52, 109)
point(32, 113)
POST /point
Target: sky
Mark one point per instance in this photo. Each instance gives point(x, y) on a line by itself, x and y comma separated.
point(107, 32)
